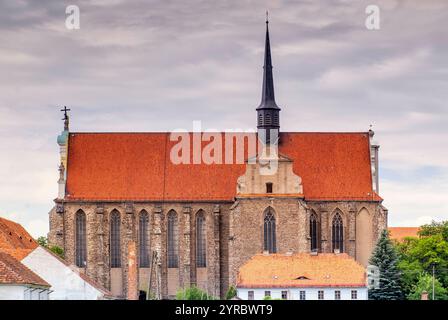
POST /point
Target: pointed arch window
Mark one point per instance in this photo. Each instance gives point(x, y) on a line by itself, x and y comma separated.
point(201, 249)
point(144, 239)
point(314, 232)
point(81, 240)
point(173, 240)
point(269, 231)
point(337, 233)
point(115, 241)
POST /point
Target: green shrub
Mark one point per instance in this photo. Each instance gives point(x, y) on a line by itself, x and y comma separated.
point(193, 293)
point(231, 293)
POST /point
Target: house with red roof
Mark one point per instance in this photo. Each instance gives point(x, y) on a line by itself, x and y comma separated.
point(17, 282)
point(200, 205)
point(302, 276)
point(31, 272)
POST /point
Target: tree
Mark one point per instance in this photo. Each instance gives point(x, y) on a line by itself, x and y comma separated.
point(435, 228)
point(193, 293)
point(231, 293)
point(421, 255)
point(424, 283)
point(385, 257)
point(43, 241)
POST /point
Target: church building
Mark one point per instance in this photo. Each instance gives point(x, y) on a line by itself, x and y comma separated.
point(198, 223)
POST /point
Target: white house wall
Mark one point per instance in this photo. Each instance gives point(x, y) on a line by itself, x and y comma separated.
point(310, 293)
point(66, 284)
point(23, 292)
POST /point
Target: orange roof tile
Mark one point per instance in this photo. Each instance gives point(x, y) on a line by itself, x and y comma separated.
point(137, 166)
point(13, 271)
point(301, 270)
point(13, 236)
point(399, 233)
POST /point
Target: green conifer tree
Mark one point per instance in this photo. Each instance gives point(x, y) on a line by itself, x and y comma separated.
point(385, 258)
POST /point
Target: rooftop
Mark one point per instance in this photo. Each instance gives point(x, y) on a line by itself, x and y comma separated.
point(137, 167)
point(12, 271)
point(400, 233)
point(301, 270)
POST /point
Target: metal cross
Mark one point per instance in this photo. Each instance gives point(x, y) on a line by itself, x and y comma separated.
point(65, 112)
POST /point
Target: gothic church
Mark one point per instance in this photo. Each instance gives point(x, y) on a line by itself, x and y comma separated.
point(196, 224)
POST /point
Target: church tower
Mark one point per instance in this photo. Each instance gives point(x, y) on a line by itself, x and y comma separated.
point(268, 122)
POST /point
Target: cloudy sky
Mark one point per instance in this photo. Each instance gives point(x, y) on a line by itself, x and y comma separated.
point(159, 65)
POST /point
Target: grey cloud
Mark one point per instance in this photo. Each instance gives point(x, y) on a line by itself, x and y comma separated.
point(158, 65)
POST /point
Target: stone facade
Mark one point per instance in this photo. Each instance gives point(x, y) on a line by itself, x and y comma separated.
point(234, 232)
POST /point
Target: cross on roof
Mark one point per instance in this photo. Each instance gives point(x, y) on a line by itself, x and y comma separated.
point(65, 112)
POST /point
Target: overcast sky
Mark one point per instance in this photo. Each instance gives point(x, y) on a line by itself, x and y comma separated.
point(159, 65)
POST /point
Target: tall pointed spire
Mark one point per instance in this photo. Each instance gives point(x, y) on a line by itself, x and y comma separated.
point(268, 95)
point(268, 120)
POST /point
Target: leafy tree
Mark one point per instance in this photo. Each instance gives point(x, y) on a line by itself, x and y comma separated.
point(193, 293)
point(423, 253)
point(231, 293)
point(424, 283)
point(435, 228)
point(385, 257)
point(43, 241)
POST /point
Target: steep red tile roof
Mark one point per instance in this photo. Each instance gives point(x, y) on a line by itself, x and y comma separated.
point(13, 271)
point(14, 237)
point(137, 166)
point(399, 233)
point(301, 270)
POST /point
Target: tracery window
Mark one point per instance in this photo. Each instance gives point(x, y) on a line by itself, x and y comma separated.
point(269, 231)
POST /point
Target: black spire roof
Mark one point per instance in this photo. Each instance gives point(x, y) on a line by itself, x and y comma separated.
point(267, 96)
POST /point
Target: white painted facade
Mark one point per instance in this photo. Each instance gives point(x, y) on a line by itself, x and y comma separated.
point(23, 292)
point(66, 283)
point(310, 293)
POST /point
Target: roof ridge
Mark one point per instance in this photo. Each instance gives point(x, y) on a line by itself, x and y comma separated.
point(14, 266)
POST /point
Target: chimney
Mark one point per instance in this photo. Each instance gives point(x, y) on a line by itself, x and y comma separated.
point(132, 271)
point(424, 295)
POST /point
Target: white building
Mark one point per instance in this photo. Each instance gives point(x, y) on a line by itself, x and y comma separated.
point(302, 276)
point(67, 283)
point(17, 282)
point(43, 267)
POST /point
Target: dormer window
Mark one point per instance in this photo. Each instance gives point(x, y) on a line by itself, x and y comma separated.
point(269, 187)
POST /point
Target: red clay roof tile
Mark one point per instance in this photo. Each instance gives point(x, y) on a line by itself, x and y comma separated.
point(301, 270)
point(399, 233)
point(137, 166)
point(14, 236)
point(13, 271)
